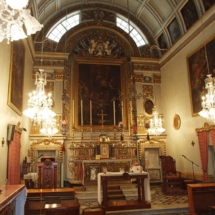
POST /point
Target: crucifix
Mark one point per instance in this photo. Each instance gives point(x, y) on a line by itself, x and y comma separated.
point(102, 116)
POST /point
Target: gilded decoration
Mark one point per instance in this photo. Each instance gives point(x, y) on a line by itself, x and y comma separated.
point(138, 78)
point(66, 97)
point(95, 98)
point(17, 128)
point(48, 63)
point(58, 73)
point(46, 144)
point(152, 143)
point(206, 127)
point(147, 79)
point(99, 46)
point(98, 15)
point(148, 91)
point(35, 127)
point(157, 79)
point(143, 123)
point(147, 67)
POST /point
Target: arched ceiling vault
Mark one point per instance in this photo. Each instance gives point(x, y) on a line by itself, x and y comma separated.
point(153, 17)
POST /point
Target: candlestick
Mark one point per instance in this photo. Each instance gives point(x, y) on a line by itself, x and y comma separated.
point(73, 113)
point(81, 112)
point(122, 110)
point(114, 117)
point(90, 112)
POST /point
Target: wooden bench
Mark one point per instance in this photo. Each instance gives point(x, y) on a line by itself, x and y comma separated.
point(200, 198)
point(62, 209)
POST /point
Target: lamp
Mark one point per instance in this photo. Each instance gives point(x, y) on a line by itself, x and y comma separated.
point(49, 127)
point(64, 127)
point(156, 123)
point(39, 104)
point(208, 101)
point(16, 22)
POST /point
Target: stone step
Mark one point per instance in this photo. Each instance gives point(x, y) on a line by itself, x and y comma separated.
point(116, 197)
point(114, 192)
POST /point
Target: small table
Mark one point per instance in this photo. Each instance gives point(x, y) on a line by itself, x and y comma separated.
point(144, 196)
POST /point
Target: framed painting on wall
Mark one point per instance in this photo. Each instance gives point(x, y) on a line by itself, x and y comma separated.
point(15, 91)
point(200, 64)
point(174, 30)
point(189, 14)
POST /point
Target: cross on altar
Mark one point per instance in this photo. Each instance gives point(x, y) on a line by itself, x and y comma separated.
point(102, 116)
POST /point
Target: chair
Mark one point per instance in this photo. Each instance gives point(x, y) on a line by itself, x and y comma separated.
point(94, 211)
point(172, 181)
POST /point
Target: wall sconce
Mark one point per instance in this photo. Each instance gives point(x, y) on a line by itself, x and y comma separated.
point(2, 142)
point(64, 127)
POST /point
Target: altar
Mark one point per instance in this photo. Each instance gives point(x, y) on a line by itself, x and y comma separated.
point(143, 190)
point(89, 159)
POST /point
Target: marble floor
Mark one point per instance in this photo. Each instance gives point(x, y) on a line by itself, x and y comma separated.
point(160, 204)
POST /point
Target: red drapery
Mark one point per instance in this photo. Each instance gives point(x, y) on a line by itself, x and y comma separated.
point(203, 147)
point(14, 160)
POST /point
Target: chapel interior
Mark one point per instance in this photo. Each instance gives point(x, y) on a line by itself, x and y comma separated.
point(122, 96)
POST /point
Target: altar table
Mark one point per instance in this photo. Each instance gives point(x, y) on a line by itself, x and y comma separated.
point(144, 195)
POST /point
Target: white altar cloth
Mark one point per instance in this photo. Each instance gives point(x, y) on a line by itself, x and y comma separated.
point(31, 175)
point(146, 184)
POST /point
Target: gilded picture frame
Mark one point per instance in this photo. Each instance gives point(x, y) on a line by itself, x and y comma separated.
point(176, 122)
point(15, 91)
point(97, 89)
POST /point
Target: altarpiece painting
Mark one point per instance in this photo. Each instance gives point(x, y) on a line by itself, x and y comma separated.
point(99, 88)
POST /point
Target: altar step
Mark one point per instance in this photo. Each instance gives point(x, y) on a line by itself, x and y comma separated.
point(114, 193)
point(89, 193)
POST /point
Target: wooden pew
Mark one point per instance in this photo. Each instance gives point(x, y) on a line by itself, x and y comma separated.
point(200, 197)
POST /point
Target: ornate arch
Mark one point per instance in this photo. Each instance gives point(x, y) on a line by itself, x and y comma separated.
point(47, 144)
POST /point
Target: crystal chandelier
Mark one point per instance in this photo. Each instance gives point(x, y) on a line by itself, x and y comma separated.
point(49, 127)
point(156, 124)
point(16, 22)
point(39, 104)
point(208, 101)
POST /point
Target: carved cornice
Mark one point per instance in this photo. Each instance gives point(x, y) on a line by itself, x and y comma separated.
point(47, 142)
point(206, 127)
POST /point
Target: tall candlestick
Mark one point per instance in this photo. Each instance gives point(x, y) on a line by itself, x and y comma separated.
point(114, 116)
point(90, 112)
point(81, 112)
point(73, 113)
point(122, 110)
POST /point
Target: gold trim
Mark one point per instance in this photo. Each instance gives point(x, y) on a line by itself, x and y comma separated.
point(176, 122)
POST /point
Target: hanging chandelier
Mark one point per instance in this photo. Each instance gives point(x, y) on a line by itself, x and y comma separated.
point(49, 127)
point(208, 101)
point(156, 123)
point(39, 104)
point(16, 21)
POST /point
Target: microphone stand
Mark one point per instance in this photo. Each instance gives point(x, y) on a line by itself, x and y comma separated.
point(192, 165)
